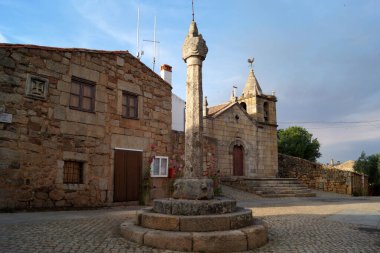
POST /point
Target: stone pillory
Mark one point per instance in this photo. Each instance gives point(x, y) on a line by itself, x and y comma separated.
point(194, 52)
point(193, 186)
point(193, 220)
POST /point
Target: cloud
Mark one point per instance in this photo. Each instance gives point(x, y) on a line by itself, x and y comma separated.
point(98, 13)
point(3, 39)
point(349, 151)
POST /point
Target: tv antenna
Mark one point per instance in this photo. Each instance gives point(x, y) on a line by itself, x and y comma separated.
point(250, 61)
point(154, 41)
point(139, 53)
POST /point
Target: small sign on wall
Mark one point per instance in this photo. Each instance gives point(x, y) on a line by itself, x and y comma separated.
point(5, 117)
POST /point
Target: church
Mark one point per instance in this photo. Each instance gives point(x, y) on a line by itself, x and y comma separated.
point(242, 131)
point(246, 132)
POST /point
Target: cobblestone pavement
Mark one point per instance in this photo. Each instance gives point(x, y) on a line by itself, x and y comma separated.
point(296, 225)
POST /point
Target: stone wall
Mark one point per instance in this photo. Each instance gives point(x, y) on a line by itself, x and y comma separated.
point(267, 150)
point(209, 152)
point(233, 127)
point(44, 132)
point(318, 176)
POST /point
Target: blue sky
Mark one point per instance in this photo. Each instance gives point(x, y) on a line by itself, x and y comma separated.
point(321, 57)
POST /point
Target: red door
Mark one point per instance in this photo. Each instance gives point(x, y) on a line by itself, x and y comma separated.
point(238, 158)
point(127, 175)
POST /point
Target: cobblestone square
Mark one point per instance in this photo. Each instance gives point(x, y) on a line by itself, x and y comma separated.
point(320, 224)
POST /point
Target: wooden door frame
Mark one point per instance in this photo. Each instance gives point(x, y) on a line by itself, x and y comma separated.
point(113, 167)
point(233, 159)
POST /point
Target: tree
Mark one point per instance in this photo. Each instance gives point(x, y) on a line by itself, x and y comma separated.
point(297, 141)
point(369, 165)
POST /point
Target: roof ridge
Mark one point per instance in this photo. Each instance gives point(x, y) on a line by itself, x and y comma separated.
point(31, 46)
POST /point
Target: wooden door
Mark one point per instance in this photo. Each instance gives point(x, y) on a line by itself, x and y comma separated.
point(127, 175)
point(238, 159)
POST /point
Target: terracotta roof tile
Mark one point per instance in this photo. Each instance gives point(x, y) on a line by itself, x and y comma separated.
point(217, 108)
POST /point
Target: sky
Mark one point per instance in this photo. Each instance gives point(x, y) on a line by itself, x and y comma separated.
point(321, 57)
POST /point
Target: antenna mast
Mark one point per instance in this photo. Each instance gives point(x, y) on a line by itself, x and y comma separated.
point(154, 41)
point(192, 7)
point(138, 33)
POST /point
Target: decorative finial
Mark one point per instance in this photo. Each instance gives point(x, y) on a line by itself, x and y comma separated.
point(250, 61)
point(192, 6)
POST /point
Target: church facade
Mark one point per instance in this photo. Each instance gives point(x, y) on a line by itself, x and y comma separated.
point(245, 130)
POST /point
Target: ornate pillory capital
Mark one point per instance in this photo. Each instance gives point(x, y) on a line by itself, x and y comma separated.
point(194, 44)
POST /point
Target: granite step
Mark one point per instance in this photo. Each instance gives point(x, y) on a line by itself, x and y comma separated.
point(280, 195)
point(279, 188)
point(271, 183)
point(282, 191)
point(271, 187)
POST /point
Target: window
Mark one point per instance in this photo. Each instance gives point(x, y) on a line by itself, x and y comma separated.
point(82, 94)
point(159, 166)
point(130, 105)
point(266, 111)
point(73, 172)
point(244, 105)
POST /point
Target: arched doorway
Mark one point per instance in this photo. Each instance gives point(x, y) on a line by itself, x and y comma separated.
point(238, 160)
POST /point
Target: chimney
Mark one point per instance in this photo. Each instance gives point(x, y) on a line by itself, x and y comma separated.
point(233, 94)
point(166, 73)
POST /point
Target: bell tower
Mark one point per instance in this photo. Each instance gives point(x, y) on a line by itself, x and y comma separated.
point(258, 105)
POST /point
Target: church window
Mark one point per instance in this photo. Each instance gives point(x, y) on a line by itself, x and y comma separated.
point(82, 94)
point(159, 166)
point(266, 111)
point(244, 105)
point(129, 105)
point(73, 172)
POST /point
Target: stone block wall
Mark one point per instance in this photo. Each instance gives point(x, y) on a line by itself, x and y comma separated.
point(44, 132)
point(235, 127)
point(209, 152)
point(267, 150)
point(232, 127)
point(318, 176)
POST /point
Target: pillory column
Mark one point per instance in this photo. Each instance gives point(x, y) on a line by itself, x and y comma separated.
point(194, 185)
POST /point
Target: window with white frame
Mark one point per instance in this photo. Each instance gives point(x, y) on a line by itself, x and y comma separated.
point(159, 166)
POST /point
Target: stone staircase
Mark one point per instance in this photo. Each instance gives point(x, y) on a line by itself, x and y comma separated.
point(270, 187)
